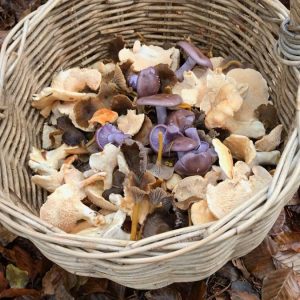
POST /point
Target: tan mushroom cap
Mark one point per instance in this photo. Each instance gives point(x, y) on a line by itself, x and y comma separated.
point(200, 213)
point(104, 115)
point(173, 181)
point(241, 147)
point(270, 141)
point(94, 193)
point(225, 157)
point(229, 194)
point(131, 123)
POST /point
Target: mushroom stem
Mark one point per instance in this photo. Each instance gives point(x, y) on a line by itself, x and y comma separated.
point(161, 113)
point(160, 148)
point(187, 66)
point(135, 221)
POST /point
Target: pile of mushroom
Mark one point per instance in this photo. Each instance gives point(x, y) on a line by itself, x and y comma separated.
point(154, 140)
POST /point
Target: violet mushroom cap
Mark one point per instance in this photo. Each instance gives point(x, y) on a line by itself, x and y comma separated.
point(169, 134)
point(110, 134)
point(182, 144)
point(195, 57)
point(182, 118)
point(161, 102)
point(148, 82)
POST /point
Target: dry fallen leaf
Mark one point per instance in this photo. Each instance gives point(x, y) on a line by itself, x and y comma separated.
point(281, 285)
point(289, 241)
point(166, 293)
point(26, 294)
point(6, 237)
point(287, 259)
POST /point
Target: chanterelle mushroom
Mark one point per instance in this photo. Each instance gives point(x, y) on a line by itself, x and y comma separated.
point(64, 208)
point(106, 161)
point(144, 56)
point(229, 194)
point(200, 213)
point(131, 123)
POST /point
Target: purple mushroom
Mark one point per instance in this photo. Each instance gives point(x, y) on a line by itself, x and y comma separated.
point(110, 134)
point(161, 102)
point(195, 57)
point(181, 118)
point(182, 144)
point(197, 161)
point(148, 82)
point(169, 134)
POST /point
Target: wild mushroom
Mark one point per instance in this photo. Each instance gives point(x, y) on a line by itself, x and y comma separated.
point(143, 135)
point(105, 161)
point(182, 144)
point(121, 104)
point(117, 185)
point(229, 194)
point(51, 137)
point(72, 136)
point(43, 162)
point(167, 77)
point(225, 157)
point(103, 116)
point(173, 181)
point(181, 118)
point(110, 134)
point(161, 102)
point(148, 82)
point(68, 86)
point(144, 56)
point(194, 186)
point(242, 148)
point(270, 141)
point(195, 56)
point(111, 228)
point(131, 123)
point(200, 213)
point(64, 208)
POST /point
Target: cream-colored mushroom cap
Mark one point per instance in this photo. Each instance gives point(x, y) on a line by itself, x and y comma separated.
point(200, 213)
point(270, 141)
point(173, 181)
point(225, 157)
point(241, 147)
point(131, 123)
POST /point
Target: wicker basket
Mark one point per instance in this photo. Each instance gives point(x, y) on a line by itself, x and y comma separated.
point(66, 33)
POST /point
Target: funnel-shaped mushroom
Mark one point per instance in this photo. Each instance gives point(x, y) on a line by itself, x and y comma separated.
point(181, 118)
point(110, 134)
point(161, 102)
point(195, 57)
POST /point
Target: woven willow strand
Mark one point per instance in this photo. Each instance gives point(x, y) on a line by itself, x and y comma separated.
point(67, 33)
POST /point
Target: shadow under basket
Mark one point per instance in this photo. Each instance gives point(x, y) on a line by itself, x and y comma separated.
point(67, 33)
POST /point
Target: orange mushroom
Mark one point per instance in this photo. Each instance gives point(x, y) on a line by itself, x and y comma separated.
point(103, 116)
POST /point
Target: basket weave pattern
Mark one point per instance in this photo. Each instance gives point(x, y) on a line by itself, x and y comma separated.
point(67, 33)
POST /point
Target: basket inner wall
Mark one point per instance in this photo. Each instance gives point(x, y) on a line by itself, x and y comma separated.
point(76, 33)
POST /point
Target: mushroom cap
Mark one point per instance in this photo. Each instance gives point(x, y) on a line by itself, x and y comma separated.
point(241, 147)
point(104, 115)
point(164, 100)
point(181, 118)
point(195, 53)
point(225, 157)
point(131, 123)
point(161, 171)
point(182, 144)
point(270, 141)
point(110, 134)
point(148, 82)
point(173, 181)
point(143, 135)
point(200, 213)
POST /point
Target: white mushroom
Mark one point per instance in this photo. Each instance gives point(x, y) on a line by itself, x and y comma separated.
point(46, 140)
point(193, 186)
point(44, 162)
point(64, 208)
point(122, 164)
point(104, 69)
point(131, 123)
point(110, 229)
point(200, 213)
point(105, 161)
point(270, 141)
point(229, 194)
point(242, 148)
point(144, 56)
point(225, 157)
point(173, 181)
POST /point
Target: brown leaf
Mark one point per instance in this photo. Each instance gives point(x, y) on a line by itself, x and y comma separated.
point(293, 217)
point(238, 295)
point(238, 263)
point(94, 286)
point(13, 293)
point(289, 241)
point(287, 259)
point(166, 293)
point(279, 225)
point(281, 285)
point(259, 262)
point(3, 281)
point(229, 272)
point(59, 282)
point(6, 236)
